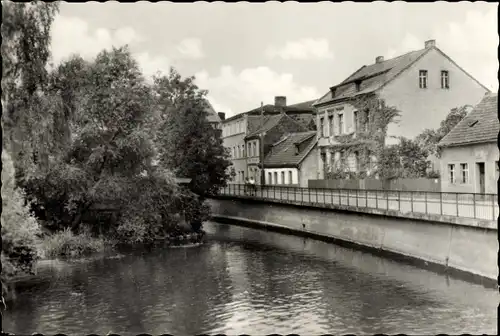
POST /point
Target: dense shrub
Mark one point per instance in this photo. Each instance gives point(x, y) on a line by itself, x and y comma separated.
point(67, 244)
point(20, 229)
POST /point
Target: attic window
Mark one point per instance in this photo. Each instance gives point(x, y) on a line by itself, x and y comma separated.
point(333, 89)
point(358, 85)
point(472, 123)
point(296, 149)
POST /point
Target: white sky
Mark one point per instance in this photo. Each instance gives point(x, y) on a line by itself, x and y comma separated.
point(246, 53)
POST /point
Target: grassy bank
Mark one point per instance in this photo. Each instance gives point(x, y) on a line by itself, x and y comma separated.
point(67, 244)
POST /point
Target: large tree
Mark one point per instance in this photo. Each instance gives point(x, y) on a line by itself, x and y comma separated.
point(108, 146)
point(187, 143)
point(25, 53)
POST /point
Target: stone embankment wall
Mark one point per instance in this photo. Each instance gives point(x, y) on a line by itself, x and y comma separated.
point(468, 249)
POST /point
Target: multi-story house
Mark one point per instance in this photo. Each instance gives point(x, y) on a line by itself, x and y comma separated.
point(469, 153)
point(423, 85)
point(292, 161)
point(272, 129)
point(236, 128)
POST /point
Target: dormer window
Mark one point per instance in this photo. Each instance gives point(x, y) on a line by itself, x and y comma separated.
point(296, 148)
point(358, 85)
point(422, 79)
point(445, 80)
point(333, 90)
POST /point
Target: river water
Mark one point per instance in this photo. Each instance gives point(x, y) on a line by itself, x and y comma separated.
point(250, 281)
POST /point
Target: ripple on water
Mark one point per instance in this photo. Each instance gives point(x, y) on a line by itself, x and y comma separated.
point(254, 282)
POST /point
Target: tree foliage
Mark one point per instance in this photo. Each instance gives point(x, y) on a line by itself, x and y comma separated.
point(20, 229)
point(403, 160)
point(187, 143)
point(107, 157)
point(25, 53)
point(429, 138)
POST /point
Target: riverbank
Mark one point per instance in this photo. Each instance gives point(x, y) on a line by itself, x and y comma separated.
point(459, 250)
point(59, 250)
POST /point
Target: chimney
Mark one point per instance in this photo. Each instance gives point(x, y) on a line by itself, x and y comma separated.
point(430, 44)
point(222, 115)
point(280, 101)
point(379, 59)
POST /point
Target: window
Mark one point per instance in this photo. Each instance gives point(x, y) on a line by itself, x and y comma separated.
point(275, 178)
point(249, 149)
point(451, 173)
point(337, 160)
point(341, 123)
point(282, 177)
point(321, 127)
point(366, 125)
point(422, 79)
point(464, 172)
point(358, 86)
point(445, 80)
point(270, 178)
point(242, 150)
point(356, 162)
point(290, 177)
point(242, 175)
point(355, 121)
point(330, 121)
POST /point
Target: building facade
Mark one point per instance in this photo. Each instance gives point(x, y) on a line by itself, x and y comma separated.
point(292, 161)
point(271, 130)
point(246, 151)
point(424, 85)
point(469, 153)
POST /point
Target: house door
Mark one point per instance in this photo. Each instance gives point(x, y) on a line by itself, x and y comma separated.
point(480, 177)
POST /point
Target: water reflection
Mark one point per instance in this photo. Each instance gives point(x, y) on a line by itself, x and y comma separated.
point(250, 281)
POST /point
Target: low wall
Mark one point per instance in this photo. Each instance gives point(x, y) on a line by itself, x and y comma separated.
point(466, 249)
point(416, 184)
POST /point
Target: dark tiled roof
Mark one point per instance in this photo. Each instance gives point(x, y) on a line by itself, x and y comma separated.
point(304, 105)
point(255, 122)
point(272, 109)
point(373, 76)
point(283, 154)
point(480, 125)
point(304, 119)
point(212, 116)
point(269, 122)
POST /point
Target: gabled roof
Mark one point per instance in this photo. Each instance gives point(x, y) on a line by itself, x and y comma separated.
point(270, 122)
point(371, 78)
point(479, 126)
point(212, 115)
point(283, 153)
point(306, 120)
point(304, 107)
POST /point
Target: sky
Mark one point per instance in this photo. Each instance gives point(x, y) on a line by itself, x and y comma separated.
point(245, 54)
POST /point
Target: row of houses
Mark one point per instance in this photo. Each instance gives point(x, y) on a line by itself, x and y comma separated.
point(302, 142)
